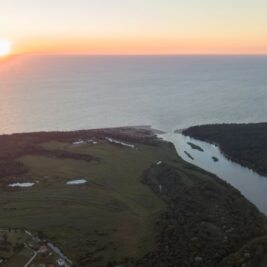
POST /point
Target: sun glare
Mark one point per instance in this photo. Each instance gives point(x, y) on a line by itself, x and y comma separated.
point(5, 47)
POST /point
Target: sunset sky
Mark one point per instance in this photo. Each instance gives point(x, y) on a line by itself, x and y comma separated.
point(135, 26)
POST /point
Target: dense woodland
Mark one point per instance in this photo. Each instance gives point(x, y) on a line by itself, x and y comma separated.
point(202, 228)
point(242, 143)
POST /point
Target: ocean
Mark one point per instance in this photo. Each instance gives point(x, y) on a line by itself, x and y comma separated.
point(167, 92)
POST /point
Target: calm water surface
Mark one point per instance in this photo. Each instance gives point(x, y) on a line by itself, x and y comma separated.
point(74, 92)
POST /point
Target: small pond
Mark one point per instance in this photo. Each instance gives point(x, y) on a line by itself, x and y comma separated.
point(76, 182)
point(21, 184)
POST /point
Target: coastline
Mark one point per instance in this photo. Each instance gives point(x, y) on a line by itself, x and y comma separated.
point(175, 211)
point(198, 133)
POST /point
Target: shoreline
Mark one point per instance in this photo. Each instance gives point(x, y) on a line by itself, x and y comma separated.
point(223, 146)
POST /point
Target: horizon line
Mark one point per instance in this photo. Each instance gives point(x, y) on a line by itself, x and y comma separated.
point(140, 54)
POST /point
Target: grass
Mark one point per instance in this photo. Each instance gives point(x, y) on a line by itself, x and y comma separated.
point(111, 217)
point(215, 159)
point(13, 238)
point(188, 155)
point(196, 147)
point(20, 258)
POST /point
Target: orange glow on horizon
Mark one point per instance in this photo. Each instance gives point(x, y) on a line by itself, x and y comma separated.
point(135, 27)
point(138, 46)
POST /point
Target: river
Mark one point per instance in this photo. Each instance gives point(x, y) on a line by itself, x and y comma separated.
point(252, 185)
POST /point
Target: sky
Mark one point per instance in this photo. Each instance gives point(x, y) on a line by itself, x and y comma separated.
point(135, 26)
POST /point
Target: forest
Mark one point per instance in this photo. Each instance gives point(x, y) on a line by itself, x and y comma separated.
point(245, 144)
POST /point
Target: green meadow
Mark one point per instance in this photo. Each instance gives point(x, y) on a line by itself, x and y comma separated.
point(110, 217)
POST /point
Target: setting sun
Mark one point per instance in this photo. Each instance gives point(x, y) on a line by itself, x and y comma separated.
point(5, 47)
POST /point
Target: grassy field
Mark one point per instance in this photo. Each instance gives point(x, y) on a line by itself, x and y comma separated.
point(109, 218)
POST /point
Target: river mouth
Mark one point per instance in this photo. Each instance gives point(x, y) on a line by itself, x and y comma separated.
point(252, 185)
